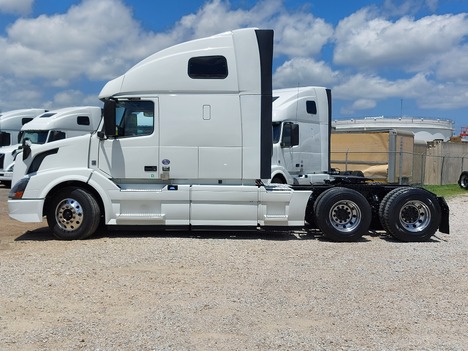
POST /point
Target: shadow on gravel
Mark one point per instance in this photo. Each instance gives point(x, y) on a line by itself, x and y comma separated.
point(432, 240)
point(44, 234)
point(40, 234)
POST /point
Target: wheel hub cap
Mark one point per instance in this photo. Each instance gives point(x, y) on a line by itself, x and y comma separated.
point(345, 216)
point(415, 216)
point(69, 215)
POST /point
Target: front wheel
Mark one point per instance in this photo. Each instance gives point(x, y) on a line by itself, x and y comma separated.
point(278, 180)
point(73, 214)
point(463, 180)
point(342, 214)
point(412, 214)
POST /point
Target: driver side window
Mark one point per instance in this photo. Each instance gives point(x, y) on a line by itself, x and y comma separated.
point(135, 118)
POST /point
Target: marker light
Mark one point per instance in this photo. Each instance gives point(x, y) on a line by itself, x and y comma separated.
point(17, 191)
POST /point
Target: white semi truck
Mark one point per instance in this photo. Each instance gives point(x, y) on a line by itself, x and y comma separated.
point(301, 117)
point(11, 123)
point(186, 142)
point(48, 126)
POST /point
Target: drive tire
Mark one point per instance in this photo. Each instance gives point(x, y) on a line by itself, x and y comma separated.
point(384, 201)
point(411, 215)
point(342, 214)
point(73, 214)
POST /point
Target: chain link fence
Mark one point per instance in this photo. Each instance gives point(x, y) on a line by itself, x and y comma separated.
point(435, 163)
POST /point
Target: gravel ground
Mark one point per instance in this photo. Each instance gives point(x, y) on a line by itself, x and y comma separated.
point(231, 291)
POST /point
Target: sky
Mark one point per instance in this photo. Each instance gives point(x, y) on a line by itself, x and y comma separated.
point(392, 58)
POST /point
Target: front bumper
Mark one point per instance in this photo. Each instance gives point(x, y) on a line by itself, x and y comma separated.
point(5, 176)
point(26, 210)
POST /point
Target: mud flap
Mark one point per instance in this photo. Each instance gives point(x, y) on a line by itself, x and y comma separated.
point(444, 226)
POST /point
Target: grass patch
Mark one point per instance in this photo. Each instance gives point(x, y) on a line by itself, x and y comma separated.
point(446, 190)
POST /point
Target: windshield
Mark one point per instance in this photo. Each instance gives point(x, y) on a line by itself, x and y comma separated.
point(41, 136)
point(276, 132)
point(4, 139)
point(35, 136)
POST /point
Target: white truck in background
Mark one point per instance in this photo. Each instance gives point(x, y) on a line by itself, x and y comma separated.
point(62, 123)
point(186, 142)
point(51, 126)
point(11, 123)
point(301, 117)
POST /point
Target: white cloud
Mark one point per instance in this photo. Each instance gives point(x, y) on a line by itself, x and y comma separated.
point(17, 94)
point(302, 72)
point(358, 105)
point(70, 97)
point(369, 42)
point(47, 57)
point(364, 104)
point(428, 94)
point(296, 33)
point(453, 65)
point(84, 41)
point(362, 86)
point(100, 40)
point(16, 7)
point(444, 96)
point(426, 51)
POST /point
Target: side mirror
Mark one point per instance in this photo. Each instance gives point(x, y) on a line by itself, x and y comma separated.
point(109, 118)
point(26, 145)
point(295, 134)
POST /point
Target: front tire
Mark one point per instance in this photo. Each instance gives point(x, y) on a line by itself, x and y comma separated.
point(73, 214)
point(411, 215)
point(342, 214)
point(278, 180)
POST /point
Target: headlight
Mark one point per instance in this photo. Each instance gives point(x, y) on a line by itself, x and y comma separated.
point(17, 191)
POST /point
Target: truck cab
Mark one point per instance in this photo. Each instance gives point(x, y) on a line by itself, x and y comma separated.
point(54, 125)
point(61, 123)
point(11, 123)
point(301, 129)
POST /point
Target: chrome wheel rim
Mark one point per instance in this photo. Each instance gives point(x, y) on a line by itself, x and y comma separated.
point(415, 216)
point(69, 215)
point(345, 216)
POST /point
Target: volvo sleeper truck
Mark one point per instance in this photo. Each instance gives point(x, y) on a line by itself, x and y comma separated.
point(52, 126)
point(11, 123)
point(186, 143)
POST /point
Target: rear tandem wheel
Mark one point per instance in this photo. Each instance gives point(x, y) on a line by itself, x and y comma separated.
point(342, 214)
point(410, 214)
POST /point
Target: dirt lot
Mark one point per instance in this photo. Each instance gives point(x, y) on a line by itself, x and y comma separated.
point(231, 291)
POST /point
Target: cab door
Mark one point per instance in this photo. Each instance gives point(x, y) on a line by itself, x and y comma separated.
point(133, 152)
point(289, 145)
